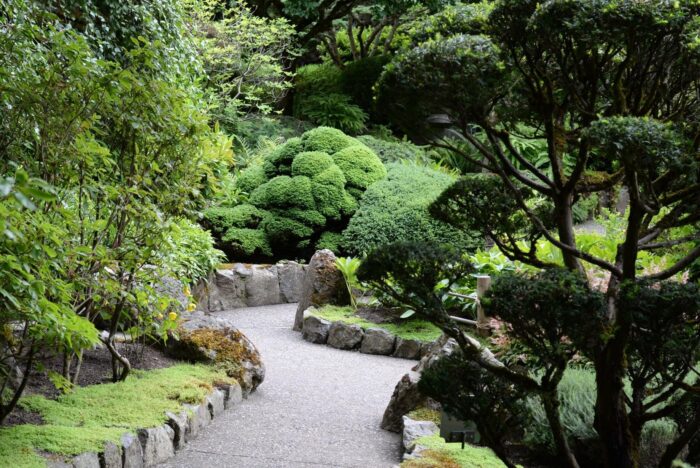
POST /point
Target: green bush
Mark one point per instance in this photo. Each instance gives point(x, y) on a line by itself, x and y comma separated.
point(326, 139)
point(220, 219)
point(394, 151)
point(189, 253)
point(310, 190)
point(250, 178)
point(320, 99)
point(396, 209)
point(359, 76)
point(246, 242)
point(577, 393)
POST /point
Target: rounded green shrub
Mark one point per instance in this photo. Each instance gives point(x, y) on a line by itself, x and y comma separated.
point(279, 161)
point(247, 242)
point(310, 188)
point(311, 163)
point(251, 178)
point(396, 209)
point(327, 139)
point(360, 165)
point(284, 192)
point(330, 240)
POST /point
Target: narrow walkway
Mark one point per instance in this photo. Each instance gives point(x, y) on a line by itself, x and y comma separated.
point(318, 406)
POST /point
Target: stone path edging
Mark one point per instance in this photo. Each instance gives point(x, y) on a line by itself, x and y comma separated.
point(154, 445)
point(412, 431)
point(341, 335)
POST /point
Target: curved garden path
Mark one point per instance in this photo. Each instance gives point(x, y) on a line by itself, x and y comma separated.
point(318, 406)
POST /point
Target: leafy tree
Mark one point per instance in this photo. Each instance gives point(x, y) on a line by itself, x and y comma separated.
point(126, 147)
point(611, 86)
point(243, 57)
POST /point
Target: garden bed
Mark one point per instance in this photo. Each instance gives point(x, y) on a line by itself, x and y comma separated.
point(371, 330)
point(144, 418)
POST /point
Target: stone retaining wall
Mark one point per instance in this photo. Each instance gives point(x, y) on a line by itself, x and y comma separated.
point(342, 335)
point(151, 446)
point(248, 285)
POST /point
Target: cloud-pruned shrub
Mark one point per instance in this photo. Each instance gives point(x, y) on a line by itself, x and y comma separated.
point(304, 191)
point(396, 209)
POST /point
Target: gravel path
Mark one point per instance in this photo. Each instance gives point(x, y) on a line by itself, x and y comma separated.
point(318, 406)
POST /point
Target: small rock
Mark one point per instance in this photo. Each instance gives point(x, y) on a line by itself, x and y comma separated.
point(344, 336)
point(407, 349)
point(315, 329)
point(86, 460)
point(378, 341)
point(215, 402)
point(132, 451)
point(178, 423)
point(234, 395)
point(323, 284)
point(157, 443)
point(413, 430)
point(111, 456)
point(291, 279)
point(197, 419)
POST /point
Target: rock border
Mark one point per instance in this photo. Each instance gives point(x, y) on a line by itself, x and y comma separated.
point(341, 335)
point(251, 285)
point(412, 431)
point(154, 445)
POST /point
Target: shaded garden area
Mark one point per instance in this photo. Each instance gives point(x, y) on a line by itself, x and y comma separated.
point(146, 147)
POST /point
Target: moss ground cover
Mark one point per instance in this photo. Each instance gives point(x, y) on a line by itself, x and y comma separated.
point(86, 418)
point(410, 329)
point(444, 455)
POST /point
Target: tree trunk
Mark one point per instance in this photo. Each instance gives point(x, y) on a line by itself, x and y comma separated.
point(611, 420)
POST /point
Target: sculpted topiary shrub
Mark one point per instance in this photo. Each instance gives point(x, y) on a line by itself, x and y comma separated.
point(300, 197)
point(396, 209)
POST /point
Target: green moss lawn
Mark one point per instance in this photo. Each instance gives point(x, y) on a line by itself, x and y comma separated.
point(442, 454)
point(411, 329)
point(86, 418)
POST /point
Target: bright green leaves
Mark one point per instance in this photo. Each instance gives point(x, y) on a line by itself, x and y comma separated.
point(314, 181)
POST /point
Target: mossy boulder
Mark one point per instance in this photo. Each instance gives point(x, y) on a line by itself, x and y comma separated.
point(205, 338)
point(301, 197)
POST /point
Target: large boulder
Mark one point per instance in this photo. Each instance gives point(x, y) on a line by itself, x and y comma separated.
point(213, 339)
point(345, 336)
point(225, 291)
point(406, 396)
point(248, 285)
point(323, 284)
